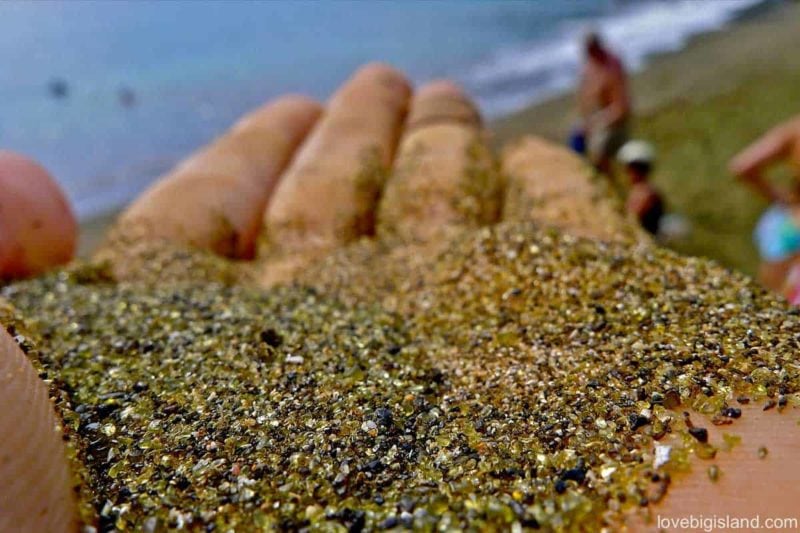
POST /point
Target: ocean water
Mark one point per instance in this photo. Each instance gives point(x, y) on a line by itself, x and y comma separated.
point(193, 67)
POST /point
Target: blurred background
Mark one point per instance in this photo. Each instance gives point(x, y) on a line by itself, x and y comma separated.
point(110, 94)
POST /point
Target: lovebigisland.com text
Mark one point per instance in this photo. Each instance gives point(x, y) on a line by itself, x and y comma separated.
point(709, 523)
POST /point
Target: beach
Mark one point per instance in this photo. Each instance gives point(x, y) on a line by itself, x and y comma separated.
point(414, 357)
point(699, 107)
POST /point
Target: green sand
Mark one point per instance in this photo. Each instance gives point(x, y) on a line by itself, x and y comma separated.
point(448, 396)
point(516, 380)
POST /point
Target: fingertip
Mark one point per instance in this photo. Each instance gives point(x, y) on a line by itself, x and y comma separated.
point(327, 196)
point(376, 78)
point(294, 104)
point(575, 202)
point(442, 153)
point(38, 229)
point(215, 199)
point(378, 71)
point(288, 110)
point(442, 101)
point(444, 88)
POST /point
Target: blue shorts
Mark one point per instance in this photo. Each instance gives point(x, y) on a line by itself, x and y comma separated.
point(577, 141)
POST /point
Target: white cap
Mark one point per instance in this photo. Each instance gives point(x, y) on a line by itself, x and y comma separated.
point(636, 152)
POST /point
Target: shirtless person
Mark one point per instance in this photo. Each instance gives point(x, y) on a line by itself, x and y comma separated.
point(778, 231)
point(603, 103)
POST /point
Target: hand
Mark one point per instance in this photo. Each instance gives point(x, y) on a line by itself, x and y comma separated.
point(319, 186)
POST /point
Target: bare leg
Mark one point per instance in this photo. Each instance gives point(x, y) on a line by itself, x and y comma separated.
point(773, 274)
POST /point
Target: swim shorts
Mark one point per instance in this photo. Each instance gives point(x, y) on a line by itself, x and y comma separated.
point(604, 143)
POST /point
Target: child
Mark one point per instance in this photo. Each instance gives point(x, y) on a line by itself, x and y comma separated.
point(644, 201)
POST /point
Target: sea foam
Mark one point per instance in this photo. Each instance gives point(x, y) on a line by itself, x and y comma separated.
point(517, 76)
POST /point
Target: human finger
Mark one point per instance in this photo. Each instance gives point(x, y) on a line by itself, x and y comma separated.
point(36, 493)
point(38, 230)
point(444, 175)
point(327, 196)
point(215, 199)
point(548, 184)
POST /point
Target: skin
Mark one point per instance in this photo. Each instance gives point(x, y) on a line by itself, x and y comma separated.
point(327, 196)
point(443, 140)
point(642, 196)
point(603, 97)
point(780, 144)
point(38, 230)
point(574, 202)
point(748, 485)
point(36, 494)
point(774, 274)
point(322, 200)
point(216, 198)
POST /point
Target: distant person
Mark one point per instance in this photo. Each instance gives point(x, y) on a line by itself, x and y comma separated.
point(777, 234)
point(644, 201)
point(126, 96)
point(58, 88)
point(603, 104)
